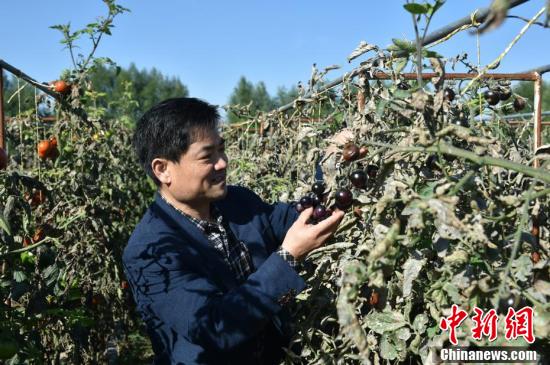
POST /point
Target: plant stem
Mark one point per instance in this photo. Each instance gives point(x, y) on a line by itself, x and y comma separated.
point(496, 62)
point(418, 52)
point(480, 160)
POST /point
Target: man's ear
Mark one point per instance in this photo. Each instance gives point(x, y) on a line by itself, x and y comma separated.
point(161, 170)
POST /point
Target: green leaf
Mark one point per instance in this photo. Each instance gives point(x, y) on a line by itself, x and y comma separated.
point(387, 349)
point(385, 321)
point(435, 7)
point(415, 8)
point(5, 226)
point(404, 44)
point(19, 276)
point(411, 268)
point(27, 257)
point(431, 54)
point(381, 106)
point(420, 322)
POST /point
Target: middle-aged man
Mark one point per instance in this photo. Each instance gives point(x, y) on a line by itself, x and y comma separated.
point(211, 267)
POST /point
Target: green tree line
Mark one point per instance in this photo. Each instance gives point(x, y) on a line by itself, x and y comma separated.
point(127, 92)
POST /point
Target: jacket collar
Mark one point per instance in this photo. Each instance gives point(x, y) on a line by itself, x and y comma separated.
point(214, 262)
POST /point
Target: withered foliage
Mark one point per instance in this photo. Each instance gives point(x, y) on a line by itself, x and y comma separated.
point(456, 213)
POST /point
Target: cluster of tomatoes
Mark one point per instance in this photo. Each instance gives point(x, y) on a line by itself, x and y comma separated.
point(493, 97)
point(47, 149)
point(343, 197)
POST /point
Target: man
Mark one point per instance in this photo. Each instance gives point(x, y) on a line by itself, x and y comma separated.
point(211, 266)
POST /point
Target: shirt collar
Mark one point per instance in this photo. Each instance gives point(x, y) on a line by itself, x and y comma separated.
point(203, 224)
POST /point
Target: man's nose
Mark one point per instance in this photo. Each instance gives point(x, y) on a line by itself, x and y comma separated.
point(221, 163)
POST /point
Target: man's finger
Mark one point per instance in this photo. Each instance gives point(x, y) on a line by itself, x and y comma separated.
point(330, 223)
point(304, 216)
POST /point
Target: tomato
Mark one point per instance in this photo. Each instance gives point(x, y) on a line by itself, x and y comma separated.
point(374, 297)
point(535, 257)
point(54, 153)
point(344, 198)
point(449, 94)
point(318, 188)
point(350, 152)
point(306, 202)
point(47, 148)
point(61, 86)
point(44, 148)
point(319, 212)
point(492, 97)
point(38, 235)
point(3, 159)
point(519, 104)
point(38, 197)
point(124, 285)
point(358, 179)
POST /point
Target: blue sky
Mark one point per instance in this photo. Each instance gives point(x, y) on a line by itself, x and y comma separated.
point(209, 44)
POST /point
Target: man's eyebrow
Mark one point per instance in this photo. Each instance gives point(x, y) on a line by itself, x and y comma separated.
point(210, 147)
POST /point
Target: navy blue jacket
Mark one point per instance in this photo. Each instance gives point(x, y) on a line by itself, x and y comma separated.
point(195, 311)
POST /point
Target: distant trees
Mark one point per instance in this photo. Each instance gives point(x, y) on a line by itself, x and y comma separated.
point(246, 92)
point(116, 92)
point(129, 92)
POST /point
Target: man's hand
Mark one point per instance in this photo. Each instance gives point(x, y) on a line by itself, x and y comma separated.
point(302, 238)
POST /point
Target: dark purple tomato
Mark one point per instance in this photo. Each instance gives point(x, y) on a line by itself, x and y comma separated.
point(449, 94)
point(318, 188)
point(316, 200)
point(358, 179)
point(403, 85)
point(519, 104)
point(431, 162)
point(462, 122)
point(306, 202)
point(319, 212)
point(343, 198)
point(299, 207)
point(492, 97)
point(372, 171)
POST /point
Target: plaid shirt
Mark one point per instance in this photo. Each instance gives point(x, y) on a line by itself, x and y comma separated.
point(234, 252)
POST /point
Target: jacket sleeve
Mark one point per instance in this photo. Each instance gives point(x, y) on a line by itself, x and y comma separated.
point(167, 291)
point(281, 218)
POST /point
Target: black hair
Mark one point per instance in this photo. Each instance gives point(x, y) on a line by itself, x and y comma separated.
point(170, 127)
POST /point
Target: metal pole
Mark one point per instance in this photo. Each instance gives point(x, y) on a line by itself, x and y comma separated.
point(537, 116)
point(2, 127)
point(434, 36)
point(525, 76)
point(30, 80)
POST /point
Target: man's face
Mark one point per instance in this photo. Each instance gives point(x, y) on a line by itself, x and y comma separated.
point(200, 175)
